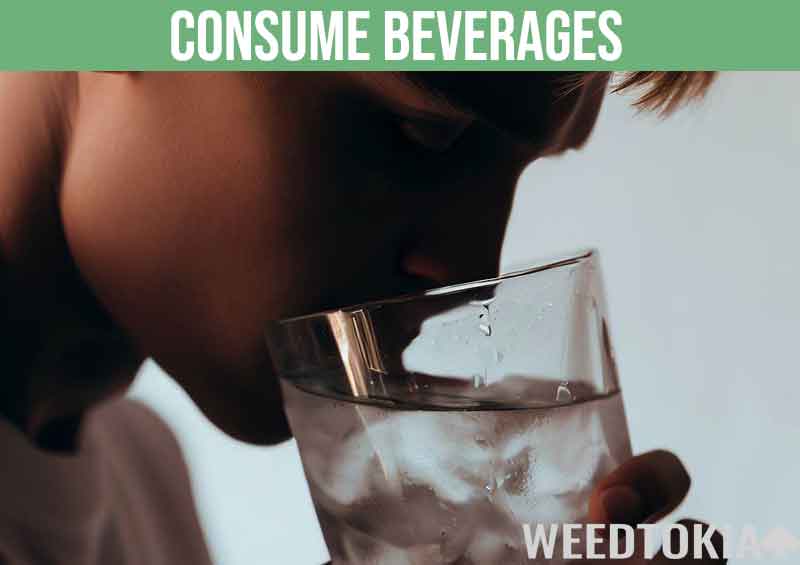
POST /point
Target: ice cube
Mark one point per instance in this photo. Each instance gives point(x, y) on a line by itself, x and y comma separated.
point(418, 555)
point(438, 450)
point(549, 467)
point(494, 547)
point(349, 544)
point(569, 445)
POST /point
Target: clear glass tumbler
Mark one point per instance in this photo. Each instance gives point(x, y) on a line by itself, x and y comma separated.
point(433, 426)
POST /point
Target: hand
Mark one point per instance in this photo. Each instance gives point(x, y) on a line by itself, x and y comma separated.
point(644, 490)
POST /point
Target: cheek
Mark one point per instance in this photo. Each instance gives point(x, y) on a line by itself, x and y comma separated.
point(198, 212)
point(180, 224)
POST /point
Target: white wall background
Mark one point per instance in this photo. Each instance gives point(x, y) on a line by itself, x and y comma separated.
point(697, 222)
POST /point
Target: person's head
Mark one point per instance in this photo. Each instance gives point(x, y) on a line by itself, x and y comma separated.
point(198, 206)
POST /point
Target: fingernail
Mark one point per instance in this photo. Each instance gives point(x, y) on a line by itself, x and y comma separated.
point(622, 505)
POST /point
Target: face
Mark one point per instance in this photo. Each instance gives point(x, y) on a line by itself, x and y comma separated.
point(200, 205)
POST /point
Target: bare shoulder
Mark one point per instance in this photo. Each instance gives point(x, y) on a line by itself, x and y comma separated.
point(33, 131)
point(34, 115)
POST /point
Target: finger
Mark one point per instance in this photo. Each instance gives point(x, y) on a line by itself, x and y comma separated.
point(643, 489)
point(700, 545)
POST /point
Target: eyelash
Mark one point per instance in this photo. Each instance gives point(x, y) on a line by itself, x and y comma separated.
point(433, 135)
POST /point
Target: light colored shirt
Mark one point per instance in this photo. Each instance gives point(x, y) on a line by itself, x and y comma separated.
point(124, 498)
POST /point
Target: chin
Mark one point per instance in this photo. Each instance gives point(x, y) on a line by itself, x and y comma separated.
point(252, 424)
point(253, 416)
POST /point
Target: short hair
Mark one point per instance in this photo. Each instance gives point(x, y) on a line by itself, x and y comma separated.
point(664, 91)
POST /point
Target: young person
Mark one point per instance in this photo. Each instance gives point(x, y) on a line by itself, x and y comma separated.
point(171, 215)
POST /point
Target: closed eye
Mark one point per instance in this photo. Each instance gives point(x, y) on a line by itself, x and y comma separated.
point(434, 134)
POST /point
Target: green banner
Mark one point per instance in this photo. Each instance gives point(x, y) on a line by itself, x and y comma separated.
point(405, 35)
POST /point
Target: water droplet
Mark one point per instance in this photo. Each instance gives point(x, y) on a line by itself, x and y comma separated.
point(563, 393)
point(486, 329)
point(498, 356)
point(483, 303)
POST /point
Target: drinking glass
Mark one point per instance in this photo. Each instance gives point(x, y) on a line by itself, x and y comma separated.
point(433, 427)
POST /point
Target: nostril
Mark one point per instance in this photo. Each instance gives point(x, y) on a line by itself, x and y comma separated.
point(424, 267)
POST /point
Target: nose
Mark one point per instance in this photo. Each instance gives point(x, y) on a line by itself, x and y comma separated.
point(460, 237)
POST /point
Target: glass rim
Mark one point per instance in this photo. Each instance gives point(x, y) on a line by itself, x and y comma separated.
point(573, 258)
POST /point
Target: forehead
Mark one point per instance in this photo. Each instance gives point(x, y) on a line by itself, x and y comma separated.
point(536, 107)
